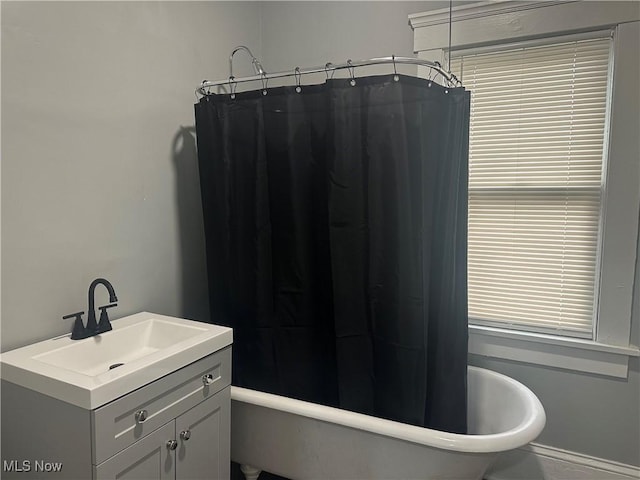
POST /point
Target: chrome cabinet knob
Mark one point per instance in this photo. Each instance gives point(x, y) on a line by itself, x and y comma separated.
point(172, 444)
point(208, 379)
point(185, 435)
point(141, 416)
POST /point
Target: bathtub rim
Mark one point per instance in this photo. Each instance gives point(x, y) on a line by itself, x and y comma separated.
point(526, 431)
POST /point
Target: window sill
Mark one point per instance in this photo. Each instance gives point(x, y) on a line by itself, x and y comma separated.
point(548, 350)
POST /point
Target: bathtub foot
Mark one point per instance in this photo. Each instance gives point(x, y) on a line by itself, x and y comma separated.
point(249, 472)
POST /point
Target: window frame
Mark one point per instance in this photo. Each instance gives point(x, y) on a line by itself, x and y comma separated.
point(509, 22)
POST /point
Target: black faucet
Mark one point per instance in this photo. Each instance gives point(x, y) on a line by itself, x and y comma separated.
point(93, 328)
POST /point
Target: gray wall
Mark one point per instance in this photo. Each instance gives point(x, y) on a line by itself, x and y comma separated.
point(99, 179)
point(313, 33)
point(98, 158)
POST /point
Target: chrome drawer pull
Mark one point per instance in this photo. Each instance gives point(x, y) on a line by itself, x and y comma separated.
point(185, 435)
point(141, 416)
point(172, 444)
point(208, 379)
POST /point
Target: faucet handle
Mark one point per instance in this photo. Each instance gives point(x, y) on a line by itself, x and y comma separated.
point(79, 332)
point(103, 324)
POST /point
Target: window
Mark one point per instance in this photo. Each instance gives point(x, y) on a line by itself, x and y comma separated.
point(604, 346)
point(536, 156)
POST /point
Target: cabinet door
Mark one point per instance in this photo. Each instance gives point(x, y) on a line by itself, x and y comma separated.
point(147, 459)
point(204, 449)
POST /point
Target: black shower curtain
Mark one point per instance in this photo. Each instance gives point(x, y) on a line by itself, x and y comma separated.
point(336, 229)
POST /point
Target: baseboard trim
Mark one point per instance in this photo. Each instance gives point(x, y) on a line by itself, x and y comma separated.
point(543, 462)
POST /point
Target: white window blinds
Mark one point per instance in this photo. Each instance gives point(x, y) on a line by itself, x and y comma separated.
point(535, 179)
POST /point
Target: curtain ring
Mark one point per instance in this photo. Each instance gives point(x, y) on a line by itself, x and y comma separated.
point(298, 76)
point(395, 71)
point(265, 81)
point(454, 81)
point(328, 66)
point(351, 73)
point(429, 78)
point(232, 86)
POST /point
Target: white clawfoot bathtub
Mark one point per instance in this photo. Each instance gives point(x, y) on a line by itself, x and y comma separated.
point(302, 440)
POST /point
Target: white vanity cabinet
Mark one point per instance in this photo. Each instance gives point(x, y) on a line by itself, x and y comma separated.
point(174, 428)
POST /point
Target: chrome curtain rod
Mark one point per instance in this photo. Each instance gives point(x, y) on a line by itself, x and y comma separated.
point(328, 69)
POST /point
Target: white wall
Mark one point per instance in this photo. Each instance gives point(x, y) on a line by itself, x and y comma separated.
point(98, 177)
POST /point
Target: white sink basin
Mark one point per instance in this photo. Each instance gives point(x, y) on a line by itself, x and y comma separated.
point(96, 370)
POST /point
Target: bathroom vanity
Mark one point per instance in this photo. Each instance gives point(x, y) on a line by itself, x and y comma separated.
point(164, 414)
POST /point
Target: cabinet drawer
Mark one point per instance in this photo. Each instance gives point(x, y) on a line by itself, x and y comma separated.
point(115, 426)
